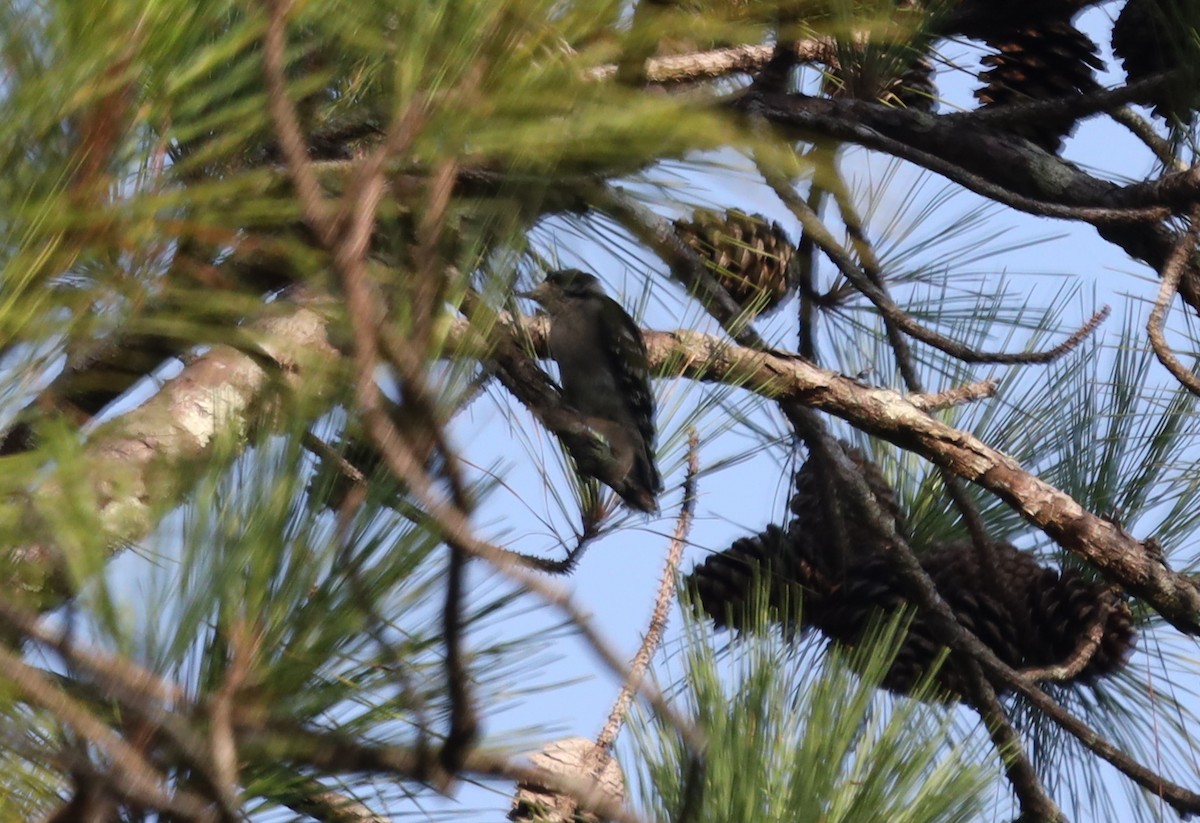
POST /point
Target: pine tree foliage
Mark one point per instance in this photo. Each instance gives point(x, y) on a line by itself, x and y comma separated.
point(286, 474)
point(807, 743)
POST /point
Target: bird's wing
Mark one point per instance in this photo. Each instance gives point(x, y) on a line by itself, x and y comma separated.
point(624, 345)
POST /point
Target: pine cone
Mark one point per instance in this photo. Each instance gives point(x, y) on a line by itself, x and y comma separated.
point(812, 512)
point(799, 563)
point(988, 19)
point(725, 585)
point(748, 255)
point(1062, 607)
point(1148, 41)
point(873, 589)
point(1044, 60)
point(1029, 616)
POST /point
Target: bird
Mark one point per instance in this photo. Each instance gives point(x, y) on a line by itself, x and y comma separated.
point(605, 377)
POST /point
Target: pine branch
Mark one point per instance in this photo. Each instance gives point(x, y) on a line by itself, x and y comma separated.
point(141, 447)
point(1001, 167)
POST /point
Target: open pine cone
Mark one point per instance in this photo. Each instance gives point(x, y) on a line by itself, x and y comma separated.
point(801, 563)
point(1042, 619)
point(1040, 61)
point(747, 254)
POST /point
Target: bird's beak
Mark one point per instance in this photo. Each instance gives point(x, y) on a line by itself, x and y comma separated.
point(538, 294)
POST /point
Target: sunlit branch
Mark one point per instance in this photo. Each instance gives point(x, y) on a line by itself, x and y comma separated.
point(707, 65)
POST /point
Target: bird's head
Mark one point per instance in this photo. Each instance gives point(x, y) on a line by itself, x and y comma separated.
point(563, 286)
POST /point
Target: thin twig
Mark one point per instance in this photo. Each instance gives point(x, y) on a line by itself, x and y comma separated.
point(600, 754)
point(348, 239)
point(814, 228)
point(1068, 669)
point(1172, 273)
point(966, 393)
point(806, 277)
point(1183, 800)
point(351, 566)
point(130, 775)
point(1035, 801)
point(451, 520)
point(1076, 105)
point(243, 647)
point(287, 128)
point(1033, 796)
point(805, 422)
point(464, 722)
point(591, 530)
point(873, 269)
point(1142, 130)
point(662, 604)
point(321, 803)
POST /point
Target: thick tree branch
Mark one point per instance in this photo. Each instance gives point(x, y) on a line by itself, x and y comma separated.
point(998, 166)
point(662, 603)
point(135, 457)
point(131, 464)
point(707, 65)
point(893, 417)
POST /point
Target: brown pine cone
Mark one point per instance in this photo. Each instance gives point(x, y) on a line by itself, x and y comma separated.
point(748, 255)
point(873, 591)
point(800, 563)
point(988, 19)
point(1042, 61)
point(1062, 607)
point(727, 585)
point(1030, 616)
